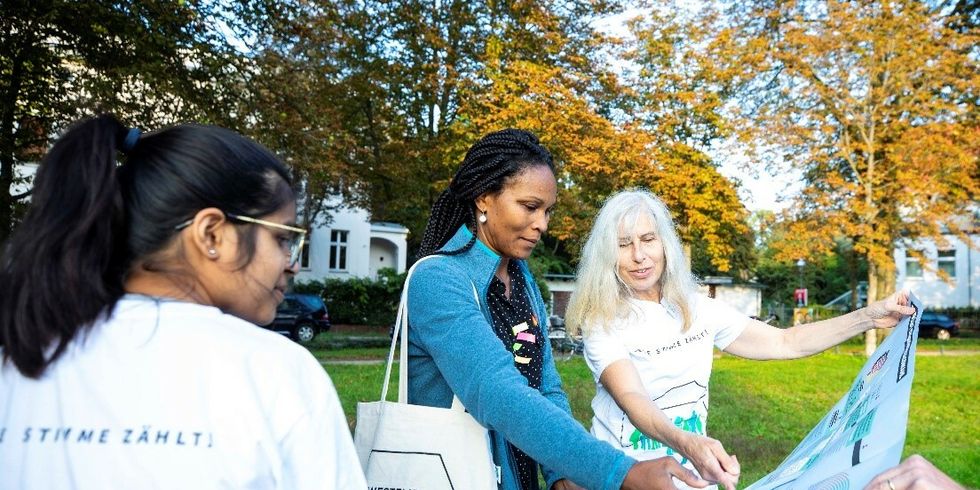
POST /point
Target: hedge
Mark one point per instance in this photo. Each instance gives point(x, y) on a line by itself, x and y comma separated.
point(359, 300)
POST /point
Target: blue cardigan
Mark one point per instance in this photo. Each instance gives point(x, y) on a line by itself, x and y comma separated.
point(453, 349)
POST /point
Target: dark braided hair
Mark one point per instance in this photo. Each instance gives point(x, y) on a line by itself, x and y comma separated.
point(487, 167)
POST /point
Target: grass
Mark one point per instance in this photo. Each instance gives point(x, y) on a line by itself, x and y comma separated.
point(350, 354)
point(968, 340)
point(761, 410)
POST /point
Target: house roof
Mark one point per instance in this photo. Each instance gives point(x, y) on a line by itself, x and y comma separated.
point(388, 227)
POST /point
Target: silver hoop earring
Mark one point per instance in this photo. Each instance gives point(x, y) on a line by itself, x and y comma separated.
point(483, 217)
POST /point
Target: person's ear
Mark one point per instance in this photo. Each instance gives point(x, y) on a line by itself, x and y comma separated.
point(209, 233)
point(482, 203)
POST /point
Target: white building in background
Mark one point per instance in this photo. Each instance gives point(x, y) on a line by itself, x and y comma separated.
point(744, 297)
point(353, 246)
point(956, 258)
point(561, 287)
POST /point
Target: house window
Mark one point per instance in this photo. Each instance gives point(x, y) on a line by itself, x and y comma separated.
point(912, 267)
point(946, 262)
point(304, 256)
point(338, 250)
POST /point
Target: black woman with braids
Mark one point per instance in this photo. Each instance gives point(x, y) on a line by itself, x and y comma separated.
point(491, 351)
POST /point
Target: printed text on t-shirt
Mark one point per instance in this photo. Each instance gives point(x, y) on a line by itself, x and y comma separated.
point(145, 435)
point(689, 339)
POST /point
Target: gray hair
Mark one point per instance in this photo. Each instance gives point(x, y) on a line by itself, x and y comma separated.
point(601, 295)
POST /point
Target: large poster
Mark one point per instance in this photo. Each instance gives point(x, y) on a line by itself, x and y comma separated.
point(864, 433)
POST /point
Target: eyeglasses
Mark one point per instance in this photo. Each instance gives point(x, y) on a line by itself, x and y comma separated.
point(293, 244)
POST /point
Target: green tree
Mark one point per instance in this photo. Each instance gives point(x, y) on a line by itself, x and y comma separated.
point(292, 90)
point(150, 63)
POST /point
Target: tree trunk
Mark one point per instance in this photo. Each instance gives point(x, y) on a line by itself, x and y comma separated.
point(871, 336)
point(8, 147)
point(6, 213)
point(886, 286)
point(852, 277)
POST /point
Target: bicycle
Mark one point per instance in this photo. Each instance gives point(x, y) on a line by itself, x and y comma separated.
point(564, 345)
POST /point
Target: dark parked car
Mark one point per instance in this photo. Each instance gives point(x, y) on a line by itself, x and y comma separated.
point(316, 305)
point(937, 326)
point(301, 317)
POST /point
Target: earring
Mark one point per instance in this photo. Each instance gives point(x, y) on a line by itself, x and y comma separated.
point(483, 217)
point(212, 251)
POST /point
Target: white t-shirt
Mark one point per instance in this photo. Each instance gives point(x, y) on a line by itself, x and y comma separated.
point(166, 394)
point(675, 367)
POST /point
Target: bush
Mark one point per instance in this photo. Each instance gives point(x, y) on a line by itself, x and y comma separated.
point(359, 300)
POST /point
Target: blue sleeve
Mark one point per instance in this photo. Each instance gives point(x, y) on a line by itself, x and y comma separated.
point(449, 326)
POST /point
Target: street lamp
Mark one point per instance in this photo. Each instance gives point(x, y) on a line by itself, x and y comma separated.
point(800, 264)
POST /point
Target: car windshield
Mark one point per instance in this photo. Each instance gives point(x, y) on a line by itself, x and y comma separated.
point(310, 301)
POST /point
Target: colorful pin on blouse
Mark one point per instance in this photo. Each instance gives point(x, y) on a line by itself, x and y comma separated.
point(520, 327)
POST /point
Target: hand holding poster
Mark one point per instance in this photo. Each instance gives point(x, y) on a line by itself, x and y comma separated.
point(864, 433)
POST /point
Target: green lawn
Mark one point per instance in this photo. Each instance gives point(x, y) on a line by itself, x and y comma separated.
point(761, 410)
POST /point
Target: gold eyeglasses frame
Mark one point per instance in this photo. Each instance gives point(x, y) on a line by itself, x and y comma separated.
point(295, 249)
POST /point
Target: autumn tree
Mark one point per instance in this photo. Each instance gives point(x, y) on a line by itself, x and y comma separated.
point(371, 86)
point(151, 63)
point(292, 88)
point(678, 92)
point(873, 104)
point(961, 14)
point(389, 80)
point(607, 135)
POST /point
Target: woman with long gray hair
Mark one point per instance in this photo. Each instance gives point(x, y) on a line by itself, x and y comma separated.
point(649, 337)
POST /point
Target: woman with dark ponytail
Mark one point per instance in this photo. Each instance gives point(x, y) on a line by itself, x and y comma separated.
point(128, 359)
point(492, 351)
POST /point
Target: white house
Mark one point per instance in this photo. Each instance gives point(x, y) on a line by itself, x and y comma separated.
point(561, 287)
point(745, 297)
point(353, 246)
point(956, 258)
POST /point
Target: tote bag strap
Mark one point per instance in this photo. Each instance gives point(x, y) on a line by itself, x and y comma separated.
point(401, 331)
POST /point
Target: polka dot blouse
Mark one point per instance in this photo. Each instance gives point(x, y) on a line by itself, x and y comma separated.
point(516, 325)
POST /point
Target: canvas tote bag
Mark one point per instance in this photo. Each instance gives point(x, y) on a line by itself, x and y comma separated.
point(404, 446)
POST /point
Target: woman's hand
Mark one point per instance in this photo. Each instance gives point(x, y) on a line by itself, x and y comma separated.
point(913, 474)
point(657, 474)
point(888, 312)
point(710, 459)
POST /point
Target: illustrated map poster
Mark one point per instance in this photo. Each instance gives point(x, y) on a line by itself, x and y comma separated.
point(864, 433)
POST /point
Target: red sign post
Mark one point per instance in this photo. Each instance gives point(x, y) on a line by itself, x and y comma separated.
point(800, 297)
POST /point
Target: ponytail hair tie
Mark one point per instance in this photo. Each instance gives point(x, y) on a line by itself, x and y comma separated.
point(131, 138)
